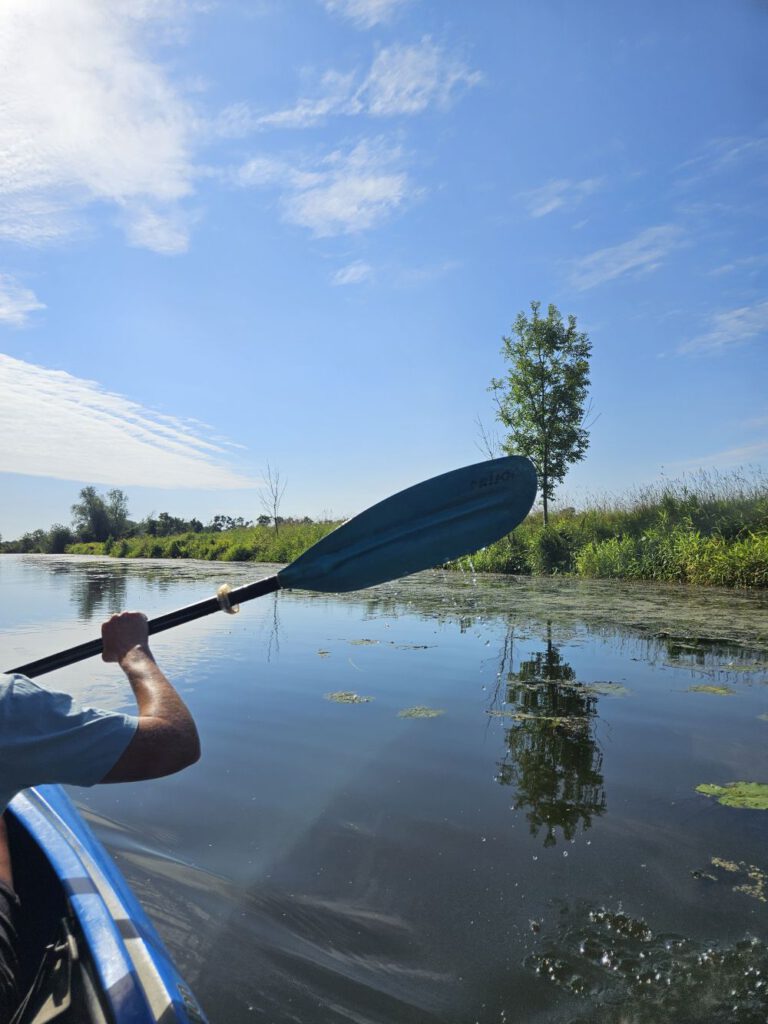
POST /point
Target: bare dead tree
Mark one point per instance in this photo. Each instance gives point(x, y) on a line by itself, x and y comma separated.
point(271, 495)
point(487, 441)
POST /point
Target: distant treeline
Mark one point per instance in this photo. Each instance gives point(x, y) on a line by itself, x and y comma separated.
point(709, 529)
point(101, 524)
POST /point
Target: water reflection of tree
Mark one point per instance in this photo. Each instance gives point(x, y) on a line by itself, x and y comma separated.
point(101, 591)
point(552, 759)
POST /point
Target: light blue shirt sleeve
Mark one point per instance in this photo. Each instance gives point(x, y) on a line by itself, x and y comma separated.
point(46, 736)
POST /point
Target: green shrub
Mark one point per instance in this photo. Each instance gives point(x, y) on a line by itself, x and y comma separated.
point(549, 551)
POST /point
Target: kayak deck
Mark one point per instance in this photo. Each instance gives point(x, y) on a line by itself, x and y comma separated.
point(105, 963)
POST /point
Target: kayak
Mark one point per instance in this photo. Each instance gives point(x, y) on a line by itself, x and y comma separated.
point(89, 953)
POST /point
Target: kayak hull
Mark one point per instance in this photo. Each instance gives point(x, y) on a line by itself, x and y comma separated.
point(115, 943)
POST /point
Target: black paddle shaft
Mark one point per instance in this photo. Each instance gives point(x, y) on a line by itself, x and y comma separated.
point(157, 625)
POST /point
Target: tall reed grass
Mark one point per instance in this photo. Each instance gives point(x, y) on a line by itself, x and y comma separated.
point(708, 528)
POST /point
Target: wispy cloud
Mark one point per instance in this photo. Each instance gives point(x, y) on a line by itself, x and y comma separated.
point(341, 194)
point(353, 273)
point(57, 425)
point(723, 153)
point(745, 455)
point(88, 117)
point(408, 79)
point(365, 13)
point(16, 302)
point(558, 194)
point(749, 264)
point(641, 254)
point(403, 80)
point(732, 327)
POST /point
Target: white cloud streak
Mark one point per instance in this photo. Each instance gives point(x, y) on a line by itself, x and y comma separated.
point(56, 425)
point(353, 273)
point(732, 327)
point(641, 254)
point(725, 153)
point(344, 193)
point(746, 455)
point(16, 302)
point(86, 117)
point(365, 13)
point(403, 80)
point(556, 195)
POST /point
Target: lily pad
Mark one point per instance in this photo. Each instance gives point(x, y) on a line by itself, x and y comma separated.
point(363, 643)
point(347, 697)
point(753, 795)
point(719, 691)
point(420, 711)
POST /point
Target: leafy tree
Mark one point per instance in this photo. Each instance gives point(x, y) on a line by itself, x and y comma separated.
point(57, 539)
point(96, 518)
point(541, 400)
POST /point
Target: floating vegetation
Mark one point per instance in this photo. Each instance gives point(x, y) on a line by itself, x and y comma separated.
point(763, 718)
point(420, 711)
point(753, 880)
point(608, 689)
point(324, 654)
point(753, 795)
point(411, 647)
point(347, 697)
point(596, 689)
point(630, 973)
point(572, 723)
point(363, 643)
point(719, 691)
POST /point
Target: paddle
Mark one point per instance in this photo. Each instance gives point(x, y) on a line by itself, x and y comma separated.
point(426, 525)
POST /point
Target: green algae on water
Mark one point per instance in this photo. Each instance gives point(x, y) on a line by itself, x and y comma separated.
point(420, 711)
point(719, 691)
point(347, 697)
point(608, 689)
point(573, 723)
point(752, 879)
point(752, 795)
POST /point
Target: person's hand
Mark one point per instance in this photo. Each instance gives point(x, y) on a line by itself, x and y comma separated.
point(125, 635)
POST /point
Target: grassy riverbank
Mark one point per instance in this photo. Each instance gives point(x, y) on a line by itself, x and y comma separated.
point(246, 544)
point(705, 530)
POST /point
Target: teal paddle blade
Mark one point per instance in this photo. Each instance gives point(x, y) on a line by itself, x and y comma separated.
point(423, 526)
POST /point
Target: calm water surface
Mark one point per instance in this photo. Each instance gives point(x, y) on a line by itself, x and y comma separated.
point(536, 852)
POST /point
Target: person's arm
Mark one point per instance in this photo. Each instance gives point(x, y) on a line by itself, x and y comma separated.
point(166, 739)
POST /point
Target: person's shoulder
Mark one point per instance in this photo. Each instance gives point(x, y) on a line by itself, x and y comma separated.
point(16, 689)
point(14, 681)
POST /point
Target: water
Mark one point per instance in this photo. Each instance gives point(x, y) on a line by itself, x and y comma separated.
point(535, 852)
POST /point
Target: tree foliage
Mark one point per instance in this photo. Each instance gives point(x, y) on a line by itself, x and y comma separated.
point(542, 399)
point(95, 517)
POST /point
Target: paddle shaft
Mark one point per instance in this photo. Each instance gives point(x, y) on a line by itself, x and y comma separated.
point(192, 611)
point(428, 524)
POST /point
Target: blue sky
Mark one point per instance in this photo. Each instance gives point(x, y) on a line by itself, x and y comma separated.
point(294, 231)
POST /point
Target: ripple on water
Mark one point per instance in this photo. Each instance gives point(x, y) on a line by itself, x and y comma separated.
point(628, 972)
